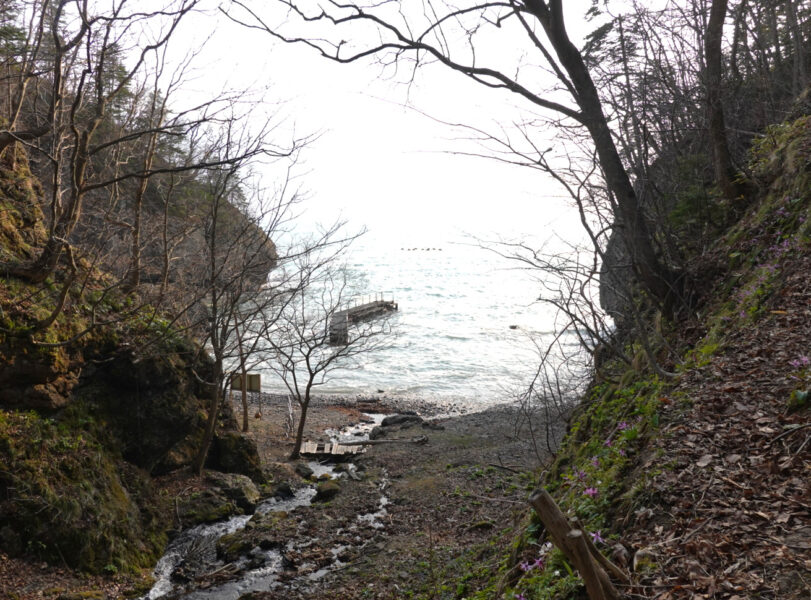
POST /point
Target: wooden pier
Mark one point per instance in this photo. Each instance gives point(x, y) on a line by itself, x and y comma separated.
point(363, 309)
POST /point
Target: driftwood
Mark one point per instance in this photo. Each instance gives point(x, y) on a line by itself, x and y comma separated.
point(574, 544)
point(417, 440)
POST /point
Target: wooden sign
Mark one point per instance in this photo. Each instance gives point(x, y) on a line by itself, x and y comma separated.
point(254, 382)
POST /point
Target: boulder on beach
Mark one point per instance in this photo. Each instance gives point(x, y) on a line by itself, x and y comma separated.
point(402, 419)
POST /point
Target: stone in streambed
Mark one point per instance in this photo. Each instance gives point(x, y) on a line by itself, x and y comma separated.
point(377, 433)
point(303, 471)
point(283, 490)
point(238, 488)
point(326, 491)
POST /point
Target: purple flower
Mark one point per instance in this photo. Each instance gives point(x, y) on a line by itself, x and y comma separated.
point(590, 492)
point(525, 566)
point(520, 597)
point(623, 426)
point(581, 475)
point(803, 361)
point(597, 538)
point(623, 452)
point(595, 462)
point(539, 563)
point(607, 443)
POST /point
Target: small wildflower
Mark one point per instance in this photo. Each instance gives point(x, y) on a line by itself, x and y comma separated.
point(581, 475)
point(525, 566)
point(595, 462)
point(803, 361)
point(623, 426)
point(623, 452)
point(520, 597)
point(596, 537)
point(590, 492)
point(539, 563)
point(607, 443)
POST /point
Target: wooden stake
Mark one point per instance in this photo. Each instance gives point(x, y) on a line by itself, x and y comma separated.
point(573, 544)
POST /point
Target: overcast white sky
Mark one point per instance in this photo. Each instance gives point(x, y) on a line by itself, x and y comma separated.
point(376, 162)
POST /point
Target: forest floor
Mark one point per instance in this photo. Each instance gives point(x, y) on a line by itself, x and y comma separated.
point(728, 514)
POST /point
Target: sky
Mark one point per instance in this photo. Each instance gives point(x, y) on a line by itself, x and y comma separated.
point(381, 160)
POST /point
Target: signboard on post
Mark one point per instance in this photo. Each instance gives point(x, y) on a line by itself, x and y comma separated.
point(254, 383)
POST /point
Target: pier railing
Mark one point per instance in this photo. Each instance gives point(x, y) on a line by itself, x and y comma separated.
point(359, 308)
point(369, 298)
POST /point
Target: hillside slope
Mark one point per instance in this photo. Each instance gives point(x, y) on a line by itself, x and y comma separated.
point(85, 425)
point(698, 485)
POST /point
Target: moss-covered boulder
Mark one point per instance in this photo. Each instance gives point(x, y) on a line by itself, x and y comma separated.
point(232, 452)
point(236, 487)
point(326, 491)
point(206, 506)
point(66, 499)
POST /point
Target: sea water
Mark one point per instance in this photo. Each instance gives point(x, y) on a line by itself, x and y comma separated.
point(469, 325)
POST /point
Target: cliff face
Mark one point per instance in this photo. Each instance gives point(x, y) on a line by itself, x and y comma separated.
point(84, 425)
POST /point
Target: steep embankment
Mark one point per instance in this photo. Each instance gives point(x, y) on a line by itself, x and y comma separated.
point(698, 485)
point(85, 425)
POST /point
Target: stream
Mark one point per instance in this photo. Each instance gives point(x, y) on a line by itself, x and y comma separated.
point(192, 555)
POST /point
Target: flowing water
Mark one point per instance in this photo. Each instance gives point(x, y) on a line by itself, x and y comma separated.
point(260, 570)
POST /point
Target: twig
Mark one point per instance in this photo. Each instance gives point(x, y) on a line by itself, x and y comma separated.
point(511, 470)
point(730, 482)
point(789, 432)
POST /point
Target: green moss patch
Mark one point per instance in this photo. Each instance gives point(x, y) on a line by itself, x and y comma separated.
point(66, 500)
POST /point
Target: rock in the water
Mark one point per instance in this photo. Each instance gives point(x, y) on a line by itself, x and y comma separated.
point(206, 507)
point(376, 433)
point(236, 487)
point(283, 491)
point(304, 471)
point(326, 491)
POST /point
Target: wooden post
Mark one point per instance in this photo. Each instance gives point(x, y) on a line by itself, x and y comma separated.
point(573, 544)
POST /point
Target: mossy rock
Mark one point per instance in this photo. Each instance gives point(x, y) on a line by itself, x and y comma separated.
point(231, 452)
point(73, 502)
point(207, 506)
point(326, 491)
point(236, 487)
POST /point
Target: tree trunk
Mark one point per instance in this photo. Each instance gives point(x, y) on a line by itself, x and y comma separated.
point(211, 426)
point(304, 404)
point(799, 77)
point(655, 277)
point(722, 162)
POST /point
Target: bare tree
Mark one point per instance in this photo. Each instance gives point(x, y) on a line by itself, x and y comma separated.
point(724, 173)
point(235, 306)
point(301, 346)
point(456, 36)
